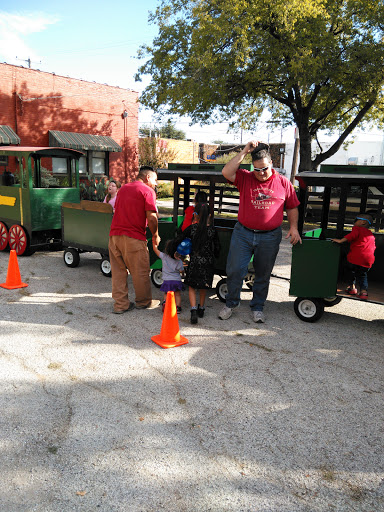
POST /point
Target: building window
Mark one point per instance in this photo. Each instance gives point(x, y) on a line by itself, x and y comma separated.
point(98, 162)
point(59, 165)
point(83, 165)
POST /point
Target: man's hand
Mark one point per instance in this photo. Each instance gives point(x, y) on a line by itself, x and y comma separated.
point(230, 169)
point(293, 217)
point(295, 236)
point(155, 239)
point(250, 146)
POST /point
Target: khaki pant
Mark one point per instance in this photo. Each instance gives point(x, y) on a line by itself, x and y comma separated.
point(132, 254)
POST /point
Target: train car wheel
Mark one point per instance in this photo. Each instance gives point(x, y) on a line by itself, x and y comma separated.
point(105, 267)
point(71, 257)
point(222, 289)
point(3, 236)
point(18, 240)
point(331, 301)
point(249, 279)
point(309, 310)
point(157, 277)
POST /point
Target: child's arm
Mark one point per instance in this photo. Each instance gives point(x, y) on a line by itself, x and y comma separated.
point(339, 240)
point(155, 248)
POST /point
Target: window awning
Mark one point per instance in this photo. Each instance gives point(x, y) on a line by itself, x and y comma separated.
point(8, 136)
point(82, 141)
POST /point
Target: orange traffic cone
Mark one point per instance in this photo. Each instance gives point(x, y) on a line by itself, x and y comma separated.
point(170, 333)
point(13, 275)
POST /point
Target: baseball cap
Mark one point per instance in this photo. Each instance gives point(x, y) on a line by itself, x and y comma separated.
point(185, 247)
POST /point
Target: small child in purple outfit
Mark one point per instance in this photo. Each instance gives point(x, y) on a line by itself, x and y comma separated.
point(173, 270)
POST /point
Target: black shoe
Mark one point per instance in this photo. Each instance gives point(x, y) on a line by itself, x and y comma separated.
point(193, 316)
point(200, 311)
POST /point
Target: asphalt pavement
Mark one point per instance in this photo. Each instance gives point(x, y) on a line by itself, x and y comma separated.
point(285, 416)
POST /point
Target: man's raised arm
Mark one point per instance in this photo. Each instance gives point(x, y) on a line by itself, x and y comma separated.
point(230, 169)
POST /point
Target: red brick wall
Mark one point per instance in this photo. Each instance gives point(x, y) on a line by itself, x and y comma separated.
point(33, 102)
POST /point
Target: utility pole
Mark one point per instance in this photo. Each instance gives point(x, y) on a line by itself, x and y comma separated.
point(28, 61)
point(295, 156)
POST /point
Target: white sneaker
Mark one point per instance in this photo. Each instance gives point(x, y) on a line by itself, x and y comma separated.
point(258, 317)
point(226, 313)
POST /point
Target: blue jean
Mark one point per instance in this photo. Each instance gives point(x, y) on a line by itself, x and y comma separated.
point(264, 248)
point(359, 274)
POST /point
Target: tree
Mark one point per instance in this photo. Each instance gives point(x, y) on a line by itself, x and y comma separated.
point(155, 152)
point(166, 131)
point(317, 64)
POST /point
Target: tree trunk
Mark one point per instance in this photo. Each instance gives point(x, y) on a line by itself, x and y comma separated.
point(306, 163)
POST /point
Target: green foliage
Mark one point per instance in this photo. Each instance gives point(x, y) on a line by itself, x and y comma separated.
point(155, 152)
point(223, 159)
point(164, 189)
point(46, 177)
point(317, 64)
point(95, 188)
point(47, 180)
point(165, 131)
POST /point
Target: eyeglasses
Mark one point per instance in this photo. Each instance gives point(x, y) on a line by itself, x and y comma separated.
point(262, 169)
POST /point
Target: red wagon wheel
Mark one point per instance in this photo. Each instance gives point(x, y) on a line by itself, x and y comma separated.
point(18, 239)
point(3, 236)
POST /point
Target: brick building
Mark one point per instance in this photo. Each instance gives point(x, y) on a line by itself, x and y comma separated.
point(44, 109)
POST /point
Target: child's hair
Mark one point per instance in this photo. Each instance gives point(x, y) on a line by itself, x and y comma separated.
point(202, 210)
point(201, 197)
point(170, 247)
point(108, 196)
point(365, 216)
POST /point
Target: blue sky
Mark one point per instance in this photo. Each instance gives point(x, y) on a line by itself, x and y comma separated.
point(97, 41)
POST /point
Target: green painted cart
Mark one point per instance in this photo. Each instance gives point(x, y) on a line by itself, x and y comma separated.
point(318, 272)
point(85, 228)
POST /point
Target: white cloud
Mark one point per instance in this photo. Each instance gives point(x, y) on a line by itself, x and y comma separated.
point(14, 28)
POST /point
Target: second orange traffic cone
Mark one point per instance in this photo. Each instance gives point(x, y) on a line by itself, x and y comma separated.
point(13, 279)
point(170, 333)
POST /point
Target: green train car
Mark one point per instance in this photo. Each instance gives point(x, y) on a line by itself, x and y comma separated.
point(318, 274)
point(35, 181)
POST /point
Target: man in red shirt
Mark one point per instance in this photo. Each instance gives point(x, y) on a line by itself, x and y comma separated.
point(264, 194)
point(135, 209)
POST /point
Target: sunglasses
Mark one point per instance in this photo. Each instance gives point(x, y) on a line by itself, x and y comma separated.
point(262, 169)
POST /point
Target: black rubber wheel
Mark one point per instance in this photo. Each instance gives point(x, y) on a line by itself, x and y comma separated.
point(71, 257)
point(249, 279)
point(105, 267)
point(157, 277)
point(222, 289)
point(308, 309)
point(331, 301)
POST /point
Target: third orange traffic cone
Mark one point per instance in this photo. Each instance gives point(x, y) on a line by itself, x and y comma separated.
point(13, 279)
point(170, 333)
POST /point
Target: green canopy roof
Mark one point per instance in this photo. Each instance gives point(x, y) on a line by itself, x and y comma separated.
point(82, 141)
point(8, 136)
